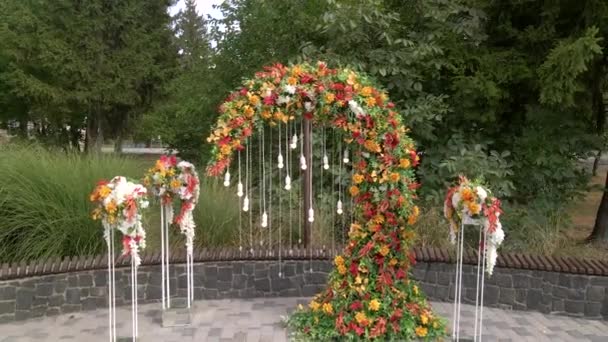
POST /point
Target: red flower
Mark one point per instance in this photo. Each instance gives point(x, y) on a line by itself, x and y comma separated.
point(391, 140)
point(412, 258)
point(168, 160)
point(217, 168)
point(126, 244)
point(356, 328)
point(247, 132)
point(396, 315)
point(401, 274)
point(365, 250)
point(223, 141)
point(369, 121)
point(338, 86)
point(354, 269)
point(491, 213)
point(340, 121)
point(413, 185)
point(356, 306)
point(270, 100)
point(236, 122)
point(379, 329)
point(243, 91)
point(306, 78)
point(390, 105)
point(415, 158)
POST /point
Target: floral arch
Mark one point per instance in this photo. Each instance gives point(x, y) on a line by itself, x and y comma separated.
point(369, 294)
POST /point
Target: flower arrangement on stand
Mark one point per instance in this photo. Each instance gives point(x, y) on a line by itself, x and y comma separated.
point(369, 293)
point(171, 180)
point(118, 204)
point(472, 203)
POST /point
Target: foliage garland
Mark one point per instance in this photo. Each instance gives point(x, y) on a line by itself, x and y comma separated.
point(369, 294)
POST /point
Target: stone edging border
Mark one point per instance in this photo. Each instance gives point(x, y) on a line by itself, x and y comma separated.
point(423, 254)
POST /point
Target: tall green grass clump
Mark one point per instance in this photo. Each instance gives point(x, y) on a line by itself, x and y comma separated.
point(44, 201)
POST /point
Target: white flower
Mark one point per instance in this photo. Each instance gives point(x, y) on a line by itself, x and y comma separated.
point(290, 89)
point(283, 99)
point(456, 199)
point(354, 107)
point(482, 193)
point(308, 106)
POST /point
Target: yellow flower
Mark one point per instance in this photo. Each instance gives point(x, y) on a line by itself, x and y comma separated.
point(314, 306)
point(328, 309)
point(225, 149)
point(435, 324)
point(361, 318)
point(175, 184)
point(421, 331)
point(372, 146)
point(378, 219)
point(414, 215)
point(96, 215)
point(330, 97)
point(415, 289)
point(424, 318)
point(374, 305)
point(342, 269)
point(370, 101)
point(394, 177)
point(339, 260)
point(393, 262)
point(404, 163)
point(474, 208)
point(266, 115)
point(352, 78)
point(300, 307)
point(366, 91)
point(358, 280)
point(357, 178)
point(104, 191)
point(111, 207)
point(354, 190)
point(384, 250)
point(292, 81)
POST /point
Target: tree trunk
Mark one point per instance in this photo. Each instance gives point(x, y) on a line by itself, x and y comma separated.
point(94, 137)
point(600, 229)
point(596, 162)
point(118, 143)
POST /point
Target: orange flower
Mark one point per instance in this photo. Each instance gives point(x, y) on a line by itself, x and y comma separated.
point(385, 250)
point(474, 208)
point(254, 100)
point(370, 101)
point(292, 81)
point(342, 269)
point(366, 91)
point(248, 111)
point(404, 163)
point(467, 195)
point(266, 114)
point(372, 146)
point(378, 219)
point(225, 149)
point(421, 331)
point(393, 262)
point(175, 184)
point(330, 97)
point(357, 178)
point(394, 177)
point(339, 260)
point(354, 190)
point(414, 215)
point(314, 305)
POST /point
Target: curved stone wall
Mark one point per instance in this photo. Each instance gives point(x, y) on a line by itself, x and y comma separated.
point(79, 284)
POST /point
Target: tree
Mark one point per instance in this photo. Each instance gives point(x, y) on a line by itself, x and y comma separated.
point(93, 64)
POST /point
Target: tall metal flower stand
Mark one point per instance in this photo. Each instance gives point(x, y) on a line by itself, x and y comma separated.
point(479, 287)
point(175, 313)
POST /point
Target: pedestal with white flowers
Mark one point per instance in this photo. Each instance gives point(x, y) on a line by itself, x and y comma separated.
point(119, 204)
point(175, 182)
point(470, 205)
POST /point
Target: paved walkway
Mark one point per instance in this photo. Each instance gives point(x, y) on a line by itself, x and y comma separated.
point(260, 320)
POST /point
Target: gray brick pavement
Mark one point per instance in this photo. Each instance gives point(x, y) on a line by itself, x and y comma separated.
point(258, 320)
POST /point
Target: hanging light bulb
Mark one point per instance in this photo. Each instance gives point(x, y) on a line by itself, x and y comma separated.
point(345, 159)
point(287, 183)
point(227, 179)
point(264, 220)
point(339, 210)
point(311, 215)
point(294, 142)
point(302, 162)
point(246, 204)
point(325, 162)
point(239, 189)
point(280, 161)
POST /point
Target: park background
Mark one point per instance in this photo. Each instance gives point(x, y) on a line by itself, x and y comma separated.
point(513, 92)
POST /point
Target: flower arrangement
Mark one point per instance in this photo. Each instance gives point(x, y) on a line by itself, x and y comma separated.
point(171, 180)
point(370, 294)
point(471, 203)
point(119, 204)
